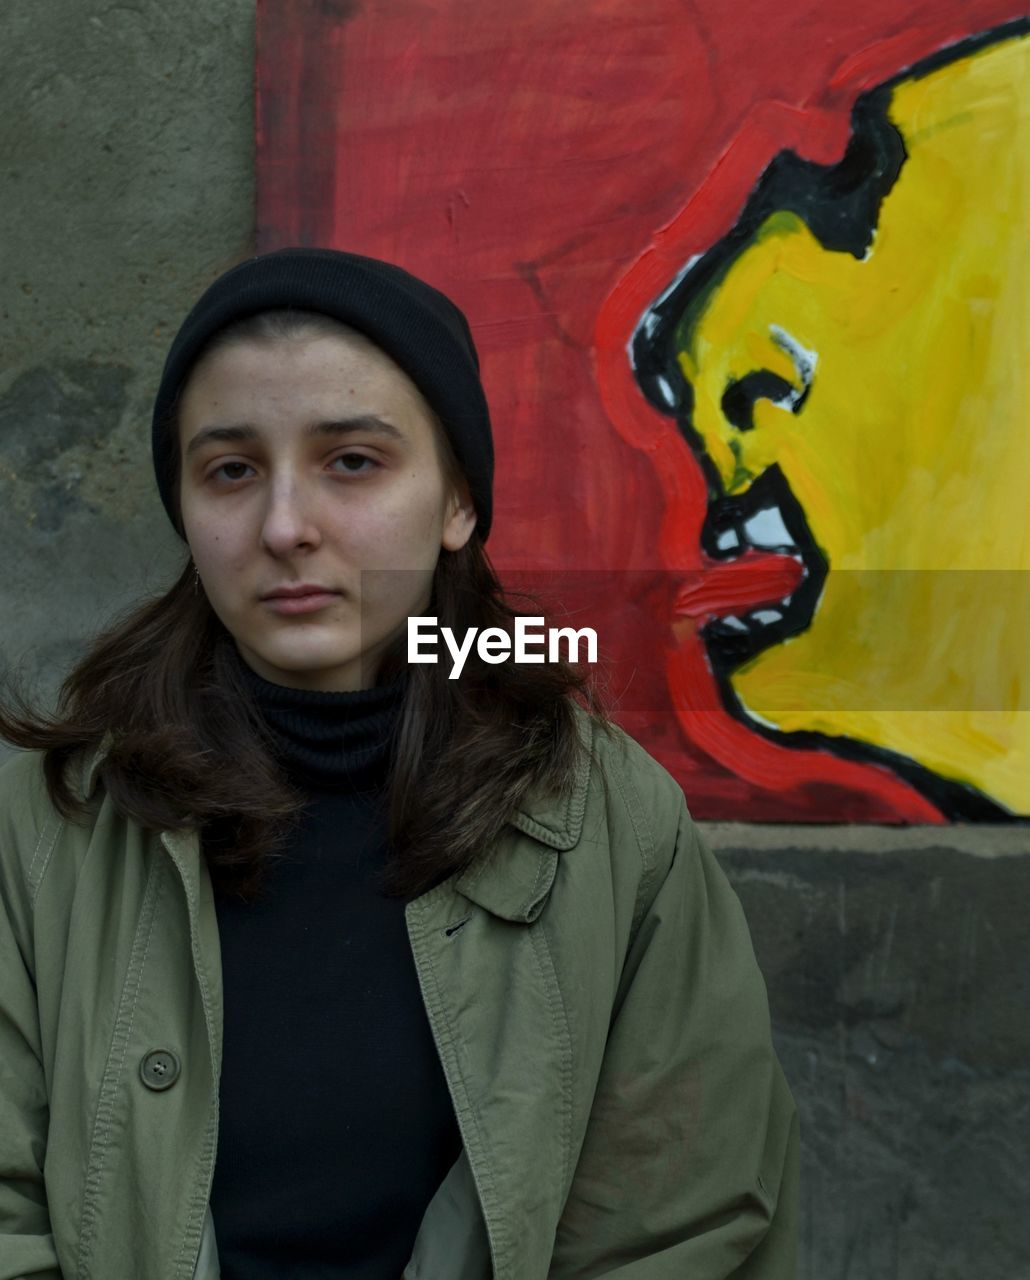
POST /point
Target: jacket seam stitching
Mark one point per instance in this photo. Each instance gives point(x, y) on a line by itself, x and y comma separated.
point(644, 848)
point(116, 1060)
point(545, 873)
point(192, 906)
point(645, 821)
point(34, 883)
point(559, 1012)
point(205, 1155)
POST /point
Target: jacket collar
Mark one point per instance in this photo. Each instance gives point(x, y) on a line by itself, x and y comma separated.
point(512, 882)
point(92, 761)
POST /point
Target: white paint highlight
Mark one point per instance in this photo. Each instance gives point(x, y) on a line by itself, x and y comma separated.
point(804, 361)
point(767, 529)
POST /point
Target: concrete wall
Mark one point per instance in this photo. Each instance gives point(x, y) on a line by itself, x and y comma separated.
point(126, 139)
point(897, 960)
point(898, 975)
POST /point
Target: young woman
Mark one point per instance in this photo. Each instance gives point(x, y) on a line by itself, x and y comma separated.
point(317, 963)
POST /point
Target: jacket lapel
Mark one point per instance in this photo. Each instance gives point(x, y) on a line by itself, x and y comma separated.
point(494, 1004)
point(513, 882)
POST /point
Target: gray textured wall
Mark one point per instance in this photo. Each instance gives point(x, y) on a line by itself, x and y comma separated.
point(126, 138)
point(898, 967)
point(897, 960)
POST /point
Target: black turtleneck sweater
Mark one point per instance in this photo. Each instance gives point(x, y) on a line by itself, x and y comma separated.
point(335, 1125)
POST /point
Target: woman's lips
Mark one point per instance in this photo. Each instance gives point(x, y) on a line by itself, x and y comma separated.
point(309, 602)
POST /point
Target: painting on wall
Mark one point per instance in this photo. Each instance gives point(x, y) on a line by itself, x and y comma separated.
point(750, 304)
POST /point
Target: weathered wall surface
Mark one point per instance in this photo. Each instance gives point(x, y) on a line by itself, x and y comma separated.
point(897, 960)
point(126, 138)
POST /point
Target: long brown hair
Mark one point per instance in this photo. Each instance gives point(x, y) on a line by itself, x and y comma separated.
point(188, 746)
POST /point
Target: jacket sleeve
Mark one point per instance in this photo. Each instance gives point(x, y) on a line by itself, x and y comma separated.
point(689, 1167)
point(26, 1243)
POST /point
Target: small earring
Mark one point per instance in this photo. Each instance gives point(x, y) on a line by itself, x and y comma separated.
point(196, 579)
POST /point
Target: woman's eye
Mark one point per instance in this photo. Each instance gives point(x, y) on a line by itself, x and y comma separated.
point(231, 470)
point(353, 462)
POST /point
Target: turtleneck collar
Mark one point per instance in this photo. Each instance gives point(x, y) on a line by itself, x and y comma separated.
point(330, 741)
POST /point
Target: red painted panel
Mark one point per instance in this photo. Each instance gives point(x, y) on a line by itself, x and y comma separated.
point(530, 159)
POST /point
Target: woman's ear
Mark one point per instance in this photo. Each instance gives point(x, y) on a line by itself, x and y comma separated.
point(460, 519)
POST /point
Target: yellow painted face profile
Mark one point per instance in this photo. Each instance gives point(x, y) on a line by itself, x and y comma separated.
point(850, 365)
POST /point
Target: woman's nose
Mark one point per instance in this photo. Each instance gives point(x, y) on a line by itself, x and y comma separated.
point(290, 517)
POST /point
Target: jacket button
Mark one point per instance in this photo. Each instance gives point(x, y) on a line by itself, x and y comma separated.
point(159, 1069)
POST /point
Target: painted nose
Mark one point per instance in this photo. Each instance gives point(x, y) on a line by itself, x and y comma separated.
point(764, 365)
point(290, 519)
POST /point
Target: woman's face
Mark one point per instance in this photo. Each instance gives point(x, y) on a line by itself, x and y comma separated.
point(314, 503)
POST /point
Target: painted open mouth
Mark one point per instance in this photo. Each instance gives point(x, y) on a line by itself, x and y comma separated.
point(769, 520)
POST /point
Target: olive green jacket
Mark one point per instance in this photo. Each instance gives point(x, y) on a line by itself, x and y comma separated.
point(592, 993)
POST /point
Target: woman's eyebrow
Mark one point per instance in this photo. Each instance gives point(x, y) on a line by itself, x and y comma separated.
point(367, 422)
point(221, 434)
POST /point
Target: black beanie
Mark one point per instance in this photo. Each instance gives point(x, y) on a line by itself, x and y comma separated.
point(416, 325)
